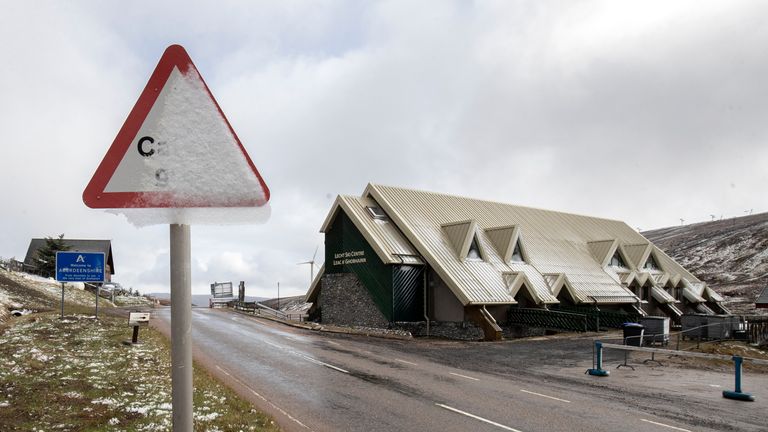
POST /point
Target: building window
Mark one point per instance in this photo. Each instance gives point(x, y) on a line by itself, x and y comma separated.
point(617, 261)
point(474, 251)
point(650, 263)
point(376, 212)
point(517, 254)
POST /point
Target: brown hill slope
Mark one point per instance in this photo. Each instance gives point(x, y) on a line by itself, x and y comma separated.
point(730, 255)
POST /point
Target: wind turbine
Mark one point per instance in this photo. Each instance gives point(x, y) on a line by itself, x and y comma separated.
point(311, 265)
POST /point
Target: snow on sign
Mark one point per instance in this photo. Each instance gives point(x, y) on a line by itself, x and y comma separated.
point(176, 149)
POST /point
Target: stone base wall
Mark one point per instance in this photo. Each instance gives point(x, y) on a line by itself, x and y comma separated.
point(343, 300)
point(518, 331)
point(443, 329)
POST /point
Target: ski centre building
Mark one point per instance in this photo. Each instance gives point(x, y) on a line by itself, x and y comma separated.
point(406, 258)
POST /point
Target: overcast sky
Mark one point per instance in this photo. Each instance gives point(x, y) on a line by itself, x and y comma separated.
point(646, 112)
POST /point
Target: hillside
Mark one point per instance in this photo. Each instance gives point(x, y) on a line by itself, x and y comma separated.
point(730, 255)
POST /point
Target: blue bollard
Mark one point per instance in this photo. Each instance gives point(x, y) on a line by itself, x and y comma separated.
point(737, 394)
point(598, 369)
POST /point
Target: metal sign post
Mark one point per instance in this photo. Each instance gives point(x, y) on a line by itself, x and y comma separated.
point(181, 328)
point(137, 173)
point(62, 300)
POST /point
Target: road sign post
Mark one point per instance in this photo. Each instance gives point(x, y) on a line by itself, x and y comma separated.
point(181, 327)
point(176, 150)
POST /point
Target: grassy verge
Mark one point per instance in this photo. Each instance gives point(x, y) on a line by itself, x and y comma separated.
point(77, 375)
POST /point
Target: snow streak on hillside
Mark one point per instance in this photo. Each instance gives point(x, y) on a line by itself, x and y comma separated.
point(730, 255)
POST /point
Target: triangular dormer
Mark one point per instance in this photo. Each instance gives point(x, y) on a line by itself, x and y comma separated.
point(506, 241)
point(636, 254)
point(651, 264)
point(602, 250)
point(473, 254)
point(617, 260)
point(517, 253)
point(463, 237)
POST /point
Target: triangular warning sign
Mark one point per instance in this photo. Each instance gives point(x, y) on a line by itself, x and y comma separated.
point(176, 149)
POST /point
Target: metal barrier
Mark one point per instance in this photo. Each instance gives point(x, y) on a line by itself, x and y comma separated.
point(259, 309)
point(737, 394)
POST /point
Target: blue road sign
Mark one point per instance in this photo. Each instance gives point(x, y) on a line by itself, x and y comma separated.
point(79, 266)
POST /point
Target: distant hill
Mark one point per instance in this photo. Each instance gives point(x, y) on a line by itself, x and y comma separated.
point(730, 255)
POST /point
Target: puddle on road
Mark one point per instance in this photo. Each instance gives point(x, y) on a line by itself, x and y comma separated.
point(359, 355)
point(389, 384)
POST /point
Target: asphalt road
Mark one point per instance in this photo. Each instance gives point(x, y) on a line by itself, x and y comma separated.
point(326, 382)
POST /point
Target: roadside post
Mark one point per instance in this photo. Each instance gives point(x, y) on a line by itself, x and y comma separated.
point(597, 358)
point(177, 161)
point(98, 293)
point(737, 394)
point(79, 267)
point(135, 320)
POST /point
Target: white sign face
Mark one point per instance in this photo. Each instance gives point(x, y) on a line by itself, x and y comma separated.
point(185, 148)
point(176, 149)
point(138, 318)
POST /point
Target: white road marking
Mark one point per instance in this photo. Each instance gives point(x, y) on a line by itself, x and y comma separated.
point(665, 425)
point(545, 396)
point(714, 385)
point(476, 417)
point(322, 363)
point(406, 362)
point(464, 376)
point(334, 343)
point(263, 398)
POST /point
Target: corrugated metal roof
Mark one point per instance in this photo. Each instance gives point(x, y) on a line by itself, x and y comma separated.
point(383, 236)
point(661, 296)
point(712, 295)
point(691, 296)
point(554, 242)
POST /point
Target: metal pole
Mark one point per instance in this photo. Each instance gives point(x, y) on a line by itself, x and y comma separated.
point(278, 296)
point(181, 328)
point(62, 300)
point(98, 288)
